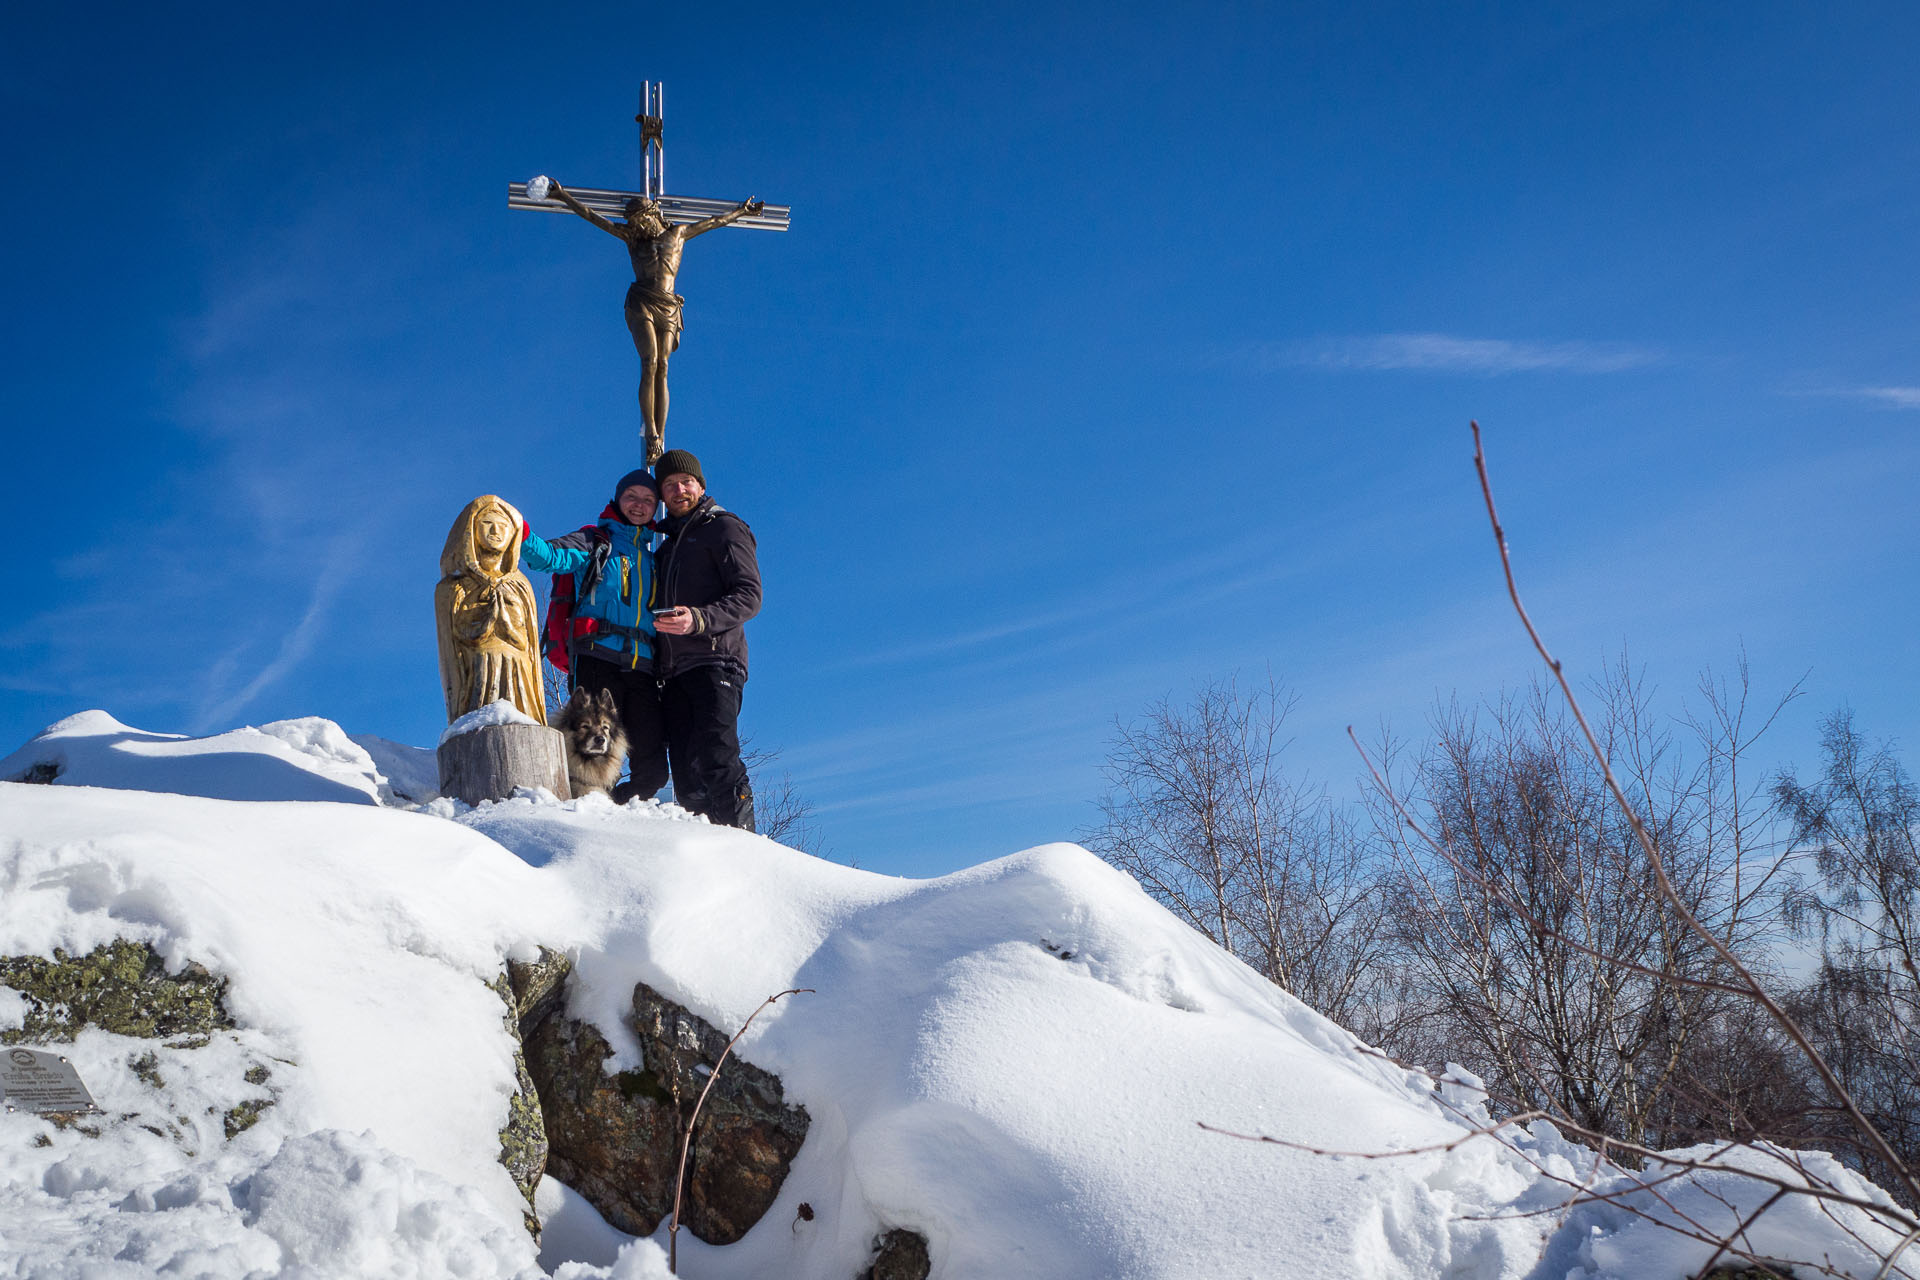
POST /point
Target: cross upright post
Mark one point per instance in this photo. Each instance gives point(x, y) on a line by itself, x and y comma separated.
point(681, 210)
point(653, 146)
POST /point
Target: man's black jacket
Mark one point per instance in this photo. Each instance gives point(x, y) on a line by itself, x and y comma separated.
point(708, 564)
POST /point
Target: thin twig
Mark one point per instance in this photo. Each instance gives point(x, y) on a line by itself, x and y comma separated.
point(1481, 1132)
point(686, 1139)
point(1886, 1268)
point(1825, 1194)
point(1753, 989)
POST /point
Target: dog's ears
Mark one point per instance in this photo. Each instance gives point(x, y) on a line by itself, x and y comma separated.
point(606, 700)
point(579, 695)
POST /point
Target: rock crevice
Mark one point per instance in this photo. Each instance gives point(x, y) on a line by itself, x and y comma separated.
point(615, 1138)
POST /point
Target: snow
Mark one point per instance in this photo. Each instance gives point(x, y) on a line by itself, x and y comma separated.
point(307, 759)
point(499, 711)
point(1014, 1060)
point(1630, 1236)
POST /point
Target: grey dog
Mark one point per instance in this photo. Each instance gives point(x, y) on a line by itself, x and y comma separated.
point(596, 744)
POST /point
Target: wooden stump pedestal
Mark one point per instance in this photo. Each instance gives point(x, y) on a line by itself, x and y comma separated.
point(489, 762)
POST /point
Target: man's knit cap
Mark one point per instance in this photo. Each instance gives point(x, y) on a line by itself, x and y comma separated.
point(674, 461)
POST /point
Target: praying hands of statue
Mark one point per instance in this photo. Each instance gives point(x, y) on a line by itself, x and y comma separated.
point(479, 614)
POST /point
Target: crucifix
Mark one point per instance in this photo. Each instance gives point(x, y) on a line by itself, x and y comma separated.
point(655, 227)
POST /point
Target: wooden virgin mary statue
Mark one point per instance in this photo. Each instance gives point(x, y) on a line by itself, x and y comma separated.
point(488, 618)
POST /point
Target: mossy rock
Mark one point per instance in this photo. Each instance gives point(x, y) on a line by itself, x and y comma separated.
point(527, 989)
point(523, 1142)
point(146, 1068)
point(534, 986)
point(122, 987)
point(243, 1117)
point(899, 1254)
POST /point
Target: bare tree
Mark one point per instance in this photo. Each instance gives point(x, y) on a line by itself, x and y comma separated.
point(1855, 825)
point(1693, 847)
point(1884, 1229)
point(1540, 944)
point(1201, 812)
point(780, 812)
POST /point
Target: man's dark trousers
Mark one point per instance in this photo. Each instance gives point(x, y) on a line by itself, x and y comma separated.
point(636, 699)
point(701, 708)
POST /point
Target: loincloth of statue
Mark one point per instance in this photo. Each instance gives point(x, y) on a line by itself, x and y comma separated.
point(657, 311)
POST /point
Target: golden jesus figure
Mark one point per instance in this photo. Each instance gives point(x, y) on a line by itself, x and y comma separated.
point(653, 308)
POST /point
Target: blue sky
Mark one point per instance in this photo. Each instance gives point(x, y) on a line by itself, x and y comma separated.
point(1113, 349)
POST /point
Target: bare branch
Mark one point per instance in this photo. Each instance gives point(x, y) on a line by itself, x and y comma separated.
point(686, 1139)
point(1752, 987)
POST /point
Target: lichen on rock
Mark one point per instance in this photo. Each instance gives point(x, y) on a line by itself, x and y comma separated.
point(122, 987)
point(244, 1116)
point(527, 989)
point(535, 985)
point(146, 1069)
point(899, 1254)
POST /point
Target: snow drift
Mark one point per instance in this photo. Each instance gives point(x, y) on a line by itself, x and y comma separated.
point(1013, 1061)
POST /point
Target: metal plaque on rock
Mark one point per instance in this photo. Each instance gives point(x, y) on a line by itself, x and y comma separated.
point(32, 1080)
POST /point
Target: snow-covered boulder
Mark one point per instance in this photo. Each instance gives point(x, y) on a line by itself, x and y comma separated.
point(122, 987)
point(305, 759)
point(1004, 1070)
point(615, 1136)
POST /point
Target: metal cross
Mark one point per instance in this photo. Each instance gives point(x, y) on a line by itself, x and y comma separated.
point(653, 180)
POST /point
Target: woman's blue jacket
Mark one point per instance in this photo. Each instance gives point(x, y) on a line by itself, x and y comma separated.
point(618, 597)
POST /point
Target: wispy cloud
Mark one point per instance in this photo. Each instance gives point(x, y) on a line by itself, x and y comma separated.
point(1898, 397)
point(1449, 353)
point(295, 645)
point(1105, 605)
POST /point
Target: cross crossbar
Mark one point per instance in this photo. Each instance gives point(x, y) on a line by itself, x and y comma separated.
point(678, 209)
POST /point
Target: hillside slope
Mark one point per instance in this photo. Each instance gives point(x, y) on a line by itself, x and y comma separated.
point(1012, 1061)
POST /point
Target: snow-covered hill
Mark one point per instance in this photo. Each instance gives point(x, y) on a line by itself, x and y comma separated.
point(1013, 1061)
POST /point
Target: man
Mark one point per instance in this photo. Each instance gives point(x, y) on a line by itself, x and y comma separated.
point(653, 308)
point(710, 585)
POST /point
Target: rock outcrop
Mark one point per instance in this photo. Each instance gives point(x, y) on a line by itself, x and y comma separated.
point(899, 1254)
point(122, 987)
point(529, 989)
point(615, 1139)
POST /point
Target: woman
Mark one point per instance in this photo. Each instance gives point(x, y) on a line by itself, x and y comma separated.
point(609, 642)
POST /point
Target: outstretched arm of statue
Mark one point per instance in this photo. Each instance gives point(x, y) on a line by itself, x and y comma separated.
point(565, 197)
point(744, 209)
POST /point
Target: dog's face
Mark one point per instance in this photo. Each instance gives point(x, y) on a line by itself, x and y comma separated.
point(591, 722)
